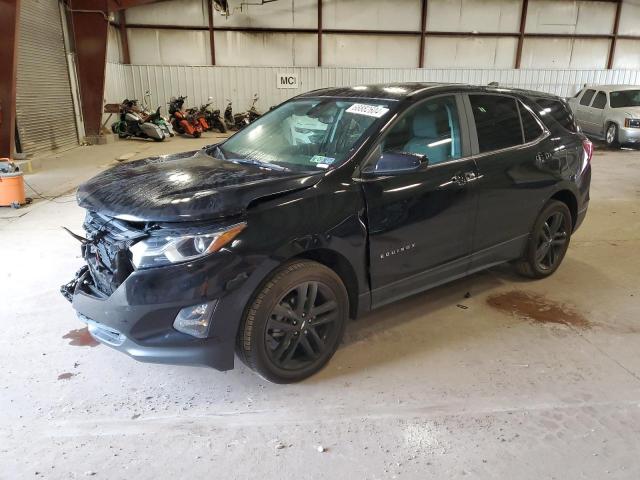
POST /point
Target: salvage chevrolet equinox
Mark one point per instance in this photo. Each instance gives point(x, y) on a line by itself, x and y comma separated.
point(336, 202)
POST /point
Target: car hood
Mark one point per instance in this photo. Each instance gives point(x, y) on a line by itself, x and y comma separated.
point(633, 112)
point(187, 186)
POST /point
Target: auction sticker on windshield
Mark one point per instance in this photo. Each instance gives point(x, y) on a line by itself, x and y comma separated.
point(368, 110)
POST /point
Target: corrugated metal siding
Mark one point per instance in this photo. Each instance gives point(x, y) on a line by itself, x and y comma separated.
point(239, 84)
point(44, 105)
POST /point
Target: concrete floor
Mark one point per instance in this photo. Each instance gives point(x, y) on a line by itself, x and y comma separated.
point(523, 379)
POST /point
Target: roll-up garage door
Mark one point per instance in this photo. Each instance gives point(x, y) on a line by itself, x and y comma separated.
point(44, 105)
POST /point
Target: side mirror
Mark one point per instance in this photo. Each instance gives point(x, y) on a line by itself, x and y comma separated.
point(396, 162)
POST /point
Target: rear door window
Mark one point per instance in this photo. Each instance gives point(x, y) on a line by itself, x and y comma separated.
point(530, 125)
point(554, 110)
point(600, 100)
point(497, 122)
point(586, 98)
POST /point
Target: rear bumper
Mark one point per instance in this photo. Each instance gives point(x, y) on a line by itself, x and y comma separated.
point(581, 215)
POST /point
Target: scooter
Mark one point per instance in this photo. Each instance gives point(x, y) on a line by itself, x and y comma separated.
point(156, 117)
point(184, 123)
point(213, 117)
point(235, 121)
point(253, 112)
point(133, 124)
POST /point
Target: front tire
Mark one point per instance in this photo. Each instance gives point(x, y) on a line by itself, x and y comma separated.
point(548, 242)
point(611, 136)
point(295, 322)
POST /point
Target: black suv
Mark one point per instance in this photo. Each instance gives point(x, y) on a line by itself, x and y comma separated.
point(334, 203)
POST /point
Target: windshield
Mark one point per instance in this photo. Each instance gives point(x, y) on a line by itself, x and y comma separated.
point(306, 134)
point(625, 98)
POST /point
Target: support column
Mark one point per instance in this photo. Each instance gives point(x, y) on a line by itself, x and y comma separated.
point(614, 39)
point(212, 37)
point(319, 33)
point(124, 39)
point(423, 32)
point(9, 17)
point(523, 25)
point(90, 22)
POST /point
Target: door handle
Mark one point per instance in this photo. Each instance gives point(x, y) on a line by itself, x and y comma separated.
point(463, 178)
point(459, 179)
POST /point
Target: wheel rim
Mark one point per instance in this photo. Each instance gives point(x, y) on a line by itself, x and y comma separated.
point(552, 241)
point(302, 326)
point(611, 133)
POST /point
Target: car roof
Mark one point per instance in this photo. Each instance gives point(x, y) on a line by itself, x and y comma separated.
point(611, 88)
point(402, 90)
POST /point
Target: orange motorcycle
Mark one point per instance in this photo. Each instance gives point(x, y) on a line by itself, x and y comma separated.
point(184, 122)
point(195, 112)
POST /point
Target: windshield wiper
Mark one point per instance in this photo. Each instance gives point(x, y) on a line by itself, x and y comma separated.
point(259, 163)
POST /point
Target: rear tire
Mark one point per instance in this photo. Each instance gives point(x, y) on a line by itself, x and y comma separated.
point(611, 136)
point(295, 322)
point(196, 134)
point(548, 242)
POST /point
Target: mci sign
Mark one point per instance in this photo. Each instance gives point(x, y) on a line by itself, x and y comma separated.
point(287, 80)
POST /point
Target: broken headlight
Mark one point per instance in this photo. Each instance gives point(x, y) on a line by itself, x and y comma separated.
point(157, 250)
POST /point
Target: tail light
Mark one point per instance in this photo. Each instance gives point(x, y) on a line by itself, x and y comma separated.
point(588, 148)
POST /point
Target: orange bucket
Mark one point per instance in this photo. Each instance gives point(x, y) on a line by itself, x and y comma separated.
point(12, 189)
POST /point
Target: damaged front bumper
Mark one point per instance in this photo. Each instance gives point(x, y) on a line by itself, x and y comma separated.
point(138, 317)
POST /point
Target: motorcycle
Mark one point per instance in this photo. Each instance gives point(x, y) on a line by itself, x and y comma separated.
point(184, 123)
point(156, 117)
point(200, 118)
point(213, 117)
point(241, 120)
point(133, 124)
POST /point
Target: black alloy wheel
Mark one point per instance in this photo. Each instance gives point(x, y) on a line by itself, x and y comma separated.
point(548, 241)
point(552, 241)
point(302, 326)
point(295, 323)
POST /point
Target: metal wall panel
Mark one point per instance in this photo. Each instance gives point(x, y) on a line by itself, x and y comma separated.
point(114, 46)
point(552, 16)
point(474, 15)
point(362, 15)
point(44, 104)
point(280, 14)
point(239, 84)
point(176, 12)
point(472, 52)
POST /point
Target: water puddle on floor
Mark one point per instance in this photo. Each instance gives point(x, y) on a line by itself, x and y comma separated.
point(81, 338)
point(537, 308)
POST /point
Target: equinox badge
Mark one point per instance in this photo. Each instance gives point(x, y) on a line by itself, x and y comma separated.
point(397, 251)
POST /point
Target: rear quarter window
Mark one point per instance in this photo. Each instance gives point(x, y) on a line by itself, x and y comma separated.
point(530, 126)
point(555, 111)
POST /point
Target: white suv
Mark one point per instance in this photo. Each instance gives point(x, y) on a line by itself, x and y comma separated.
point(609, 112)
